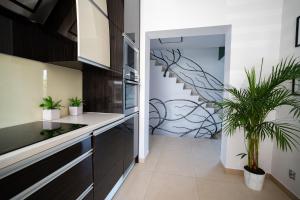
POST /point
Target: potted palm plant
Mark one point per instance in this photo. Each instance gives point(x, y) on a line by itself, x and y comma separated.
point(51, 108)
point(248, 108)
point(75, 107)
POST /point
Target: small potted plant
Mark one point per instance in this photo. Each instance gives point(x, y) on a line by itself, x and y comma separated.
point(248, 110)
point(75, 107)
point(51, 109)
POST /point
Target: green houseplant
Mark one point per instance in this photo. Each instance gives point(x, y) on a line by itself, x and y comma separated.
point(51, 108)
point(248, 109)
point(75, 107)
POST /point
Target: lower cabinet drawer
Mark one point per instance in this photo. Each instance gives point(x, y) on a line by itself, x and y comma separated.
point(89, 196)
point(70, 185)
point(17, 182)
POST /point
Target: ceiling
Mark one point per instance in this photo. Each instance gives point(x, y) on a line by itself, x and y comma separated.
point(204, 41)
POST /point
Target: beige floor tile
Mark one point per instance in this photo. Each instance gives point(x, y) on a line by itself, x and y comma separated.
point(188, 169)
point(214, 170)
point(216, 190)
point(134, 188)
point(171, 187)
point(151, 160)
point(178, 162)
point(156, 142)
point(270, 192)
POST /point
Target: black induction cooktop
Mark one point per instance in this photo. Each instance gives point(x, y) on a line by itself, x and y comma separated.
point(16, 137)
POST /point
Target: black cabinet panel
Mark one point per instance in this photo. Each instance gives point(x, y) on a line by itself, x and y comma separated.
point(69, 185)
point(43, 42)
point(21, 180)
point(102, 90)
point(128, 134)
point(116, 48)
point(108, 161)
point(6, 35)
point(89, 196)
point(115, 9)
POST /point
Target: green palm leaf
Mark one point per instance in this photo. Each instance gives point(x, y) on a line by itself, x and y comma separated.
point(248, 109)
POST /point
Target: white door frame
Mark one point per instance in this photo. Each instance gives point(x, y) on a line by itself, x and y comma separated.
point(145, 77)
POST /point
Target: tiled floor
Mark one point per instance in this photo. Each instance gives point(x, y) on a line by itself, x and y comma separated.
point(188, 169)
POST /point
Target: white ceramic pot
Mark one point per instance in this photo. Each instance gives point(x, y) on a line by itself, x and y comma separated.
point(51, 114)
point(75, 110)
point(254, 181)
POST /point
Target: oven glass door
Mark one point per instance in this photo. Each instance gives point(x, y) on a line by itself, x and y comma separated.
point(131, 95)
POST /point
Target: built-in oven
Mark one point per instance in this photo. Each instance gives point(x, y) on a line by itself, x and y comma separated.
point(130, 77)
point(131, 97)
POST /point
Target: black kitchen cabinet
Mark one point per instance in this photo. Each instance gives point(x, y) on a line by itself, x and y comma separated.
point(115, 9)
point(45, 42)
point(113, 154)
point(116, 48)
point(89, 196)
point(128, 135)
point(102, 90)
point(41, 169)
point(108, 161)
point(70, 185)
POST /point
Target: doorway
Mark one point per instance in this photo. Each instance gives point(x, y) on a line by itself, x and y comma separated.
point(145, 76)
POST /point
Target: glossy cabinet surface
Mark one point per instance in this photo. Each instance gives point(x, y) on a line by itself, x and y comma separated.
point(116, 48)
point(116, 13)
point(128, 135)
point(39, 170)
point(93, 34)
point(102, 90)
point(42, 42)
point(102, 5)
point(70, 185)
point(108, 161)
point(113, 155)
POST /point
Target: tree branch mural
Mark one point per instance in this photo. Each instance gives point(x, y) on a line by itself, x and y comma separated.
point(182, 116)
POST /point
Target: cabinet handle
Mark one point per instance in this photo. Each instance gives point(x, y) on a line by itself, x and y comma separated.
point(32, 189)
point(86, 192)
point(105, 128)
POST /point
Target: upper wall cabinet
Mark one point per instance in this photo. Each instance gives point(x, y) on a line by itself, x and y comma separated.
point(93, 34)
point(60, 32)
point(132, 20)
point(46, 38)
point(101, 4)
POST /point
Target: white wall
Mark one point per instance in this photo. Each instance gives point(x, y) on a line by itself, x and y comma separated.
point(283, 161)
point(255, 33)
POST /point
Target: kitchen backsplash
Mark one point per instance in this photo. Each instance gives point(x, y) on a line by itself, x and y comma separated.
point(23, 84)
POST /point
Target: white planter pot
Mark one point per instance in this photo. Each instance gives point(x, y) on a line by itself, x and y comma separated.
point(75, 110)
point(51, 114)
point(254, 181)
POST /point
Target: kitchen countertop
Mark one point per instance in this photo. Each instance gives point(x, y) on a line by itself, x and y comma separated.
point(91, 119)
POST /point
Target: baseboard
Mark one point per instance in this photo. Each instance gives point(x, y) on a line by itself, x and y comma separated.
point(283, 188)
point(272, 178)
point(142, 160)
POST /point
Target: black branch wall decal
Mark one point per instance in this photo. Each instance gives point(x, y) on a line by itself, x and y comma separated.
point(188, 117)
